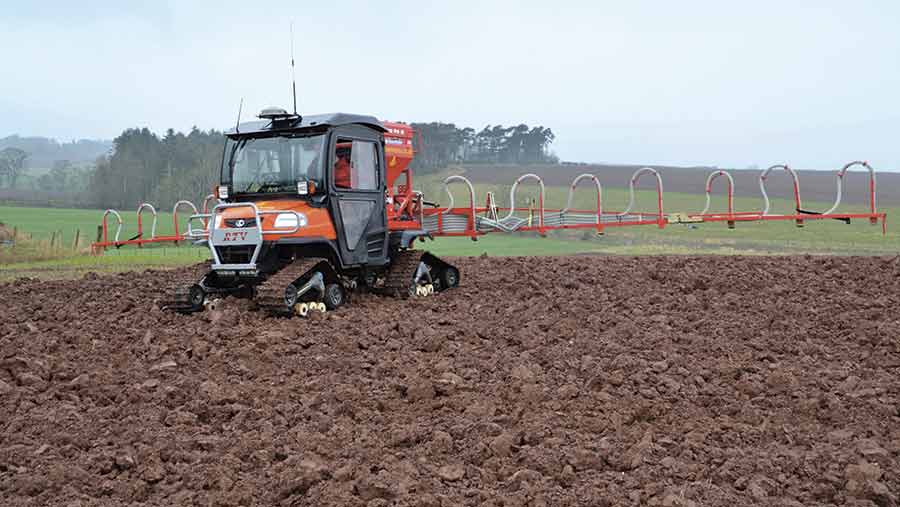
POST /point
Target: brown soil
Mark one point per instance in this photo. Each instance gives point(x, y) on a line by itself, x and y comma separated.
point(666, 381)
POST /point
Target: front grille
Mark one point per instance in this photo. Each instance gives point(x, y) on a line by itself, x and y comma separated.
point(235, 254)
point(238, 223)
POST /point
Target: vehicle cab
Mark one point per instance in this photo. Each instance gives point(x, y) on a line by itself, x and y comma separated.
point(310, 185)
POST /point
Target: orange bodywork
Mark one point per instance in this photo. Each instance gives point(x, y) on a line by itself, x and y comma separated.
point(319, 219)
point(398, 153)
point(398, 150)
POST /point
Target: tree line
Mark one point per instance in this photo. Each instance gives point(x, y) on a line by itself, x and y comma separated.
point(43, 152)
point(141, 166)
point(12, 165)
point(442, 144)
point(144, 167)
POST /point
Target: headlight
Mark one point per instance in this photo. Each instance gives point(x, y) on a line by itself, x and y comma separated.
point(289, 220)
point(223, 191)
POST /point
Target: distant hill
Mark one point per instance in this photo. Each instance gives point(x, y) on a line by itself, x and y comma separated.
point(43, 151)
point(814, 185)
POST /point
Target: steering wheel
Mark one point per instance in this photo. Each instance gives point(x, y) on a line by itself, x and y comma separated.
point(263, 180)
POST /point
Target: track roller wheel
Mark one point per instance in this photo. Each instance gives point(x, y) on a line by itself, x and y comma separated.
point(319, 307)
point(429, 289)
point(197, 296)
point(290, 296)
point(302, 309)
point(449, 277)
point(334, 296)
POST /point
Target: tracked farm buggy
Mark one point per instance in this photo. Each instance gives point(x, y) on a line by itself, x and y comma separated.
point(309, 209)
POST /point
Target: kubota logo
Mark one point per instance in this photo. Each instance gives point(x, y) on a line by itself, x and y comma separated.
point(235, 236)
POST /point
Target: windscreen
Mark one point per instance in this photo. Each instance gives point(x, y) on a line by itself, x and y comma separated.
point(272, 164)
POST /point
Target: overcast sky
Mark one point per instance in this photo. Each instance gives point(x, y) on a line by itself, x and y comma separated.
point(732, 84)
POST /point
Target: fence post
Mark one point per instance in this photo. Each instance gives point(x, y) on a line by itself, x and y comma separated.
point(77, 237)
point(52, 239)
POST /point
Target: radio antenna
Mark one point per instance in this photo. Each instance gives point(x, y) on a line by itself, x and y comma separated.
point(293, 75)
point(237, 124)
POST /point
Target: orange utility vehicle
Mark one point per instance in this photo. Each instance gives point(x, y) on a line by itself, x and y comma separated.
point(310, 208)
point(313, 207)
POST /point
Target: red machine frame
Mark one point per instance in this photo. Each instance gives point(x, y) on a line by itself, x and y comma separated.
point(480, 220)
point(139, 238)
point(405, 207)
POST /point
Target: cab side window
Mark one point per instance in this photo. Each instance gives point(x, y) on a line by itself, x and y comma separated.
point(355, 165)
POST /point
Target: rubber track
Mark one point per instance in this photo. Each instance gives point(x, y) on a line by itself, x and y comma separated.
point(177, 295)
point(399, 277)
point(270, 293)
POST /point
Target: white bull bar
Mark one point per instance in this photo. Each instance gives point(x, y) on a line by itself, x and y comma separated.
point(217, 236)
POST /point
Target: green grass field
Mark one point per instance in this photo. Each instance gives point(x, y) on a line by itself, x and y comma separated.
point(35, 257)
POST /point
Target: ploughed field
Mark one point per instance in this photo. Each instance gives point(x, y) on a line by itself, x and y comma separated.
point(666, 381)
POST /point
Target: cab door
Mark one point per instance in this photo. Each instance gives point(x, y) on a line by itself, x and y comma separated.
point(356, 182)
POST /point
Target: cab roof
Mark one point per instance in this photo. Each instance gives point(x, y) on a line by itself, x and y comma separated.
point(306, 122)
